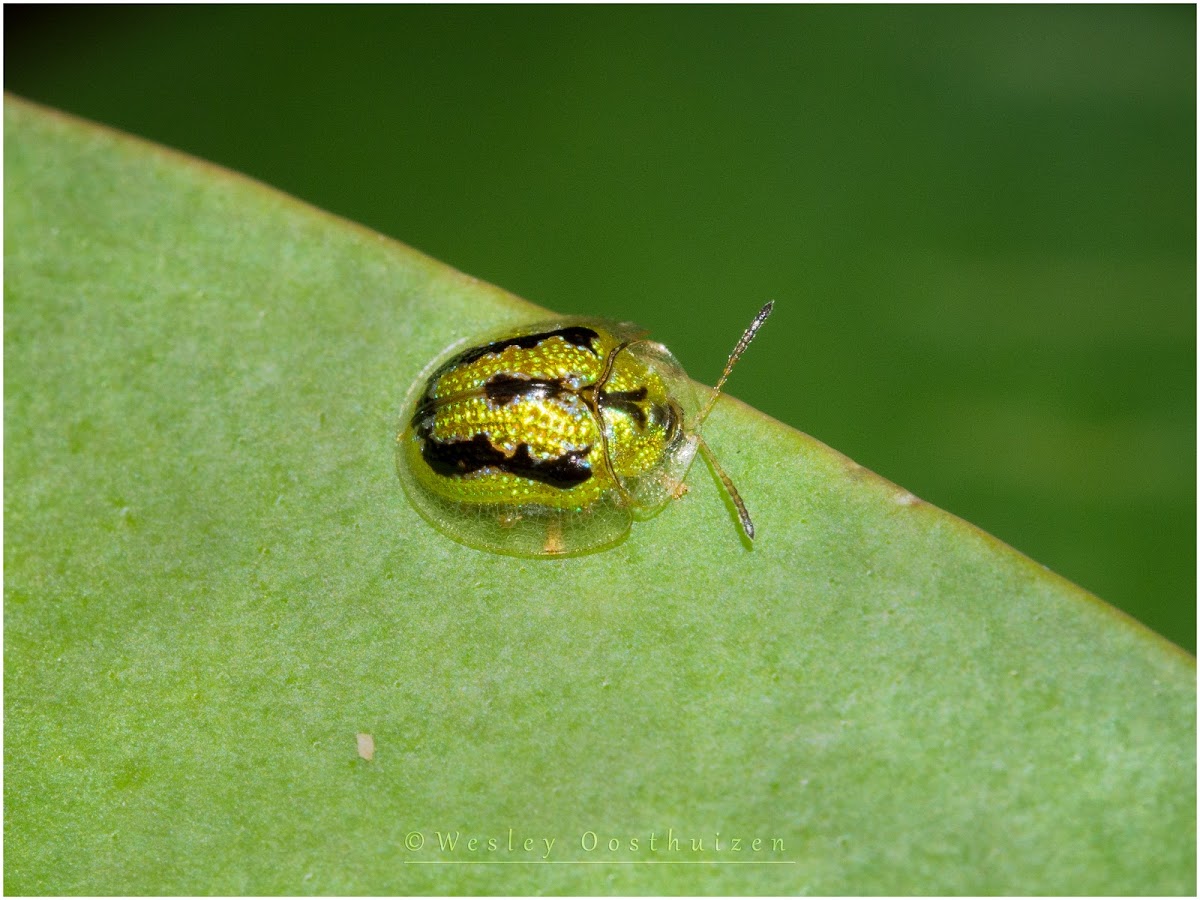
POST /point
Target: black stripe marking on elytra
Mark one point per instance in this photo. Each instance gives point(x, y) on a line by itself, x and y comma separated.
point(464, 457)
point(504, 389)
point(577, 335)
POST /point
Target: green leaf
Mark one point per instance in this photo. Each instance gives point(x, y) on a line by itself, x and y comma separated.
point(214, 585)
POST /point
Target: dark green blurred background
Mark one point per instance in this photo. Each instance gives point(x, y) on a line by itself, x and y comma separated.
point(979, 222)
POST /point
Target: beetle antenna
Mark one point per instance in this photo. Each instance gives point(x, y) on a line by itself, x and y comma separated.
point(742, 344)
point(743, 515)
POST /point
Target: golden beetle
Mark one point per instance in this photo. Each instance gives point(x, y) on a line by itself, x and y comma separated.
point(549, 439)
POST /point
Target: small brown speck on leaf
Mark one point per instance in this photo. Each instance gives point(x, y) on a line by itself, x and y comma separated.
point(366, 746)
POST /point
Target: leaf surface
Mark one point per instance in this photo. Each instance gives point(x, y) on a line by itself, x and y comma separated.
point(214, 585)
